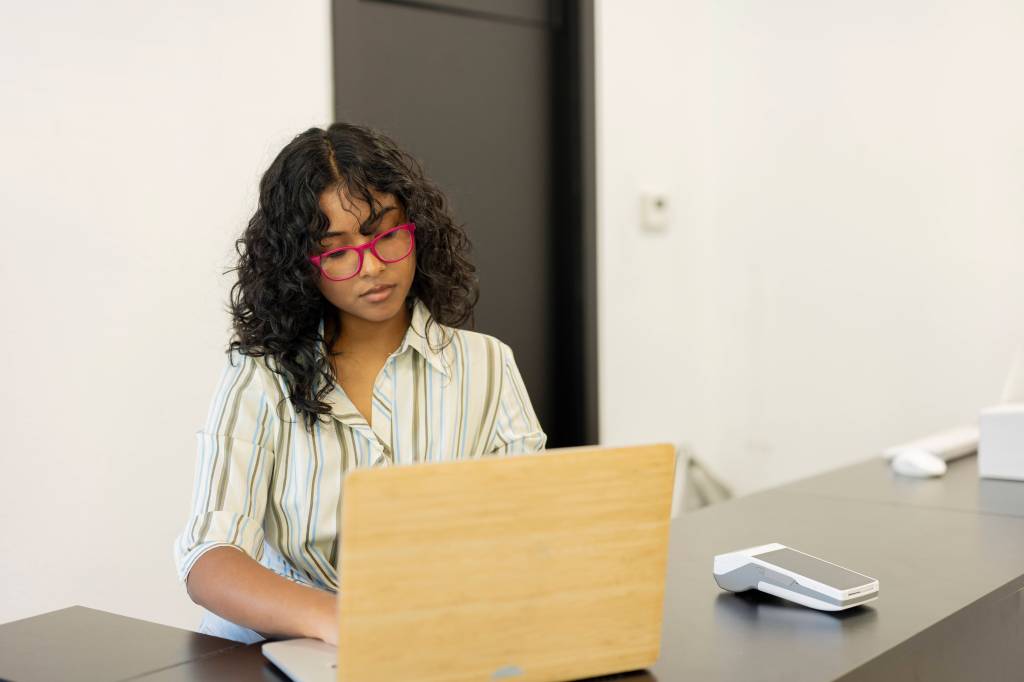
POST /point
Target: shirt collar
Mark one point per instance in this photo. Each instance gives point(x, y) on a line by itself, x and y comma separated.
point(416, 337)
point(428, 342)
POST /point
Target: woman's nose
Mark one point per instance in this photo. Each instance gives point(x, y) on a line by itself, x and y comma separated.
point(371, 264)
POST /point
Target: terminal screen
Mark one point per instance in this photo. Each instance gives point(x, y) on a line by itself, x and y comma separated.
point(815, 569)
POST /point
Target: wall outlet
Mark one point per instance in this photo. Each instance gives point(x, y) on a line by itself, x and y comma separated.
point(654, 211)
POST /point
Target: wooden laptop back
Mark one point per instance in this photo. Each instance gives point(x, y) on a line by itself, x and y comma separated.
point(535, 567)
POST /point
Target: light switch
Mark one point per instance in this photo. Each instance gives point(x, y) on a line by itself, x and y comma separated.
point(654, 211)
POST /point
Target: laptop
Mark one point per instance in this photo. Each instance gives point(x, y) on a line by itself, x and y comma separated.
point(546, 566)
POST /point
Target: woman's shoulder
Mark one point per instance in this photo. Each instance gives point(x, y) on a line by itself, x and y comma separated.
point(476, 355)
point(454, 343)
point(479, 342)
point(257, 371)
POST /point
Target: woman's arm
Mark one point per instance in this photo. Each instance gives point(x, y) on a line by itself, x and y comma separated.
point(233, 585)
point(218, 551)
point(516, 429)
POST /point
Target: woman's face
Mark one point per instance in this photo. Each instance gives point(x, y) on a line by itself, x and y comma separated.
point(377, 292)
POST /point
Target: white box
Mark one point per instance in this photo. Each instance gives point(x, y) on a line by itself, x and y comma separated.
point(1001, 442)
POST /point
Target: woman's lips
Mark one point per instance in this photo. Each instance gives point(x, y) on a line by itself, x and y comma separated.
point(378, 294)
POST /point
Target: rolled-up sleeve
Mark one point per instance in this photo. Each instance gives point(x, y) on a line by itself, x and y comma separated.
point(517, 429)
point(233, 468)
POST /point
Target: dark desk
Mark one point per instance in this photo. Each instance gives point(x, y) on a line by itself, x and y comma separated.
point(949, 555)
point(959, 490)
point(85, 644)
point(950, 604)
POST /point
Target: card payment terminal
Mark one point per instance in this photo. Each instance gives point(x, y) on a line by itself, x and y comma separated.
point(798, 577)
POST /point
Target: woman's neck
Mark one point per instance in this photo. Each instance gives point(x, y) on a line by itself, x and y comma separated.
point(362, 337)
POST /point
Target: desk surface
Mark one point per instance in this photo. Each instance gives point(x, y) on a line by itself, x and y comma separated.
point(931, 564)
point(959, 490)
point(78, 643)
point(949, 555)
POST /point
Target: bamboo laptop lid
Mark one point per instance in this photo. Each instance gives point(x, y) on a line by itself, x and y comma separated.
point(547, 566)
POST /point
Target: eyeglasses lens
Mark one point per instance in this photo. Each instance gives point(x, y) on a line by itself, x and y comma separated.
point(390, 248)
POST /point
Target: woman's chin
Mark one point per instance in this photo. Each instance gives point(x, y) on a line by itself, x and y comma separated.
point(378, 311)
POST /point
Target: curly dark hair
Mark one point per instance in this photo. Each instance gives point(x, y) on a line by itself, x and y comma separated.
point(276, 306)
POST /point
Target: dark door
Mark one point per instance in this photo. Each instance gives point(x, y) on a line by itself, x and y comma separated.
point(466, 86)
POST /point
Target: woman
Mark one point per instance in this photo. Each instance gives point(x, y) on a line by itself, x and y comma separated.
point(352, 281)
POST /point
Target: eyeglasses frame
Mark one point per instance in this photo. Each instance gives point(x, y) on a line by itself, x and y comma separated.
point(361, 249)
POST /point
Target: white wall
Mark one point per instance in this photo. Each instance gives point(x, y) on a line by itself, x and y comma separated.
point(843, 270)
point(134, 135)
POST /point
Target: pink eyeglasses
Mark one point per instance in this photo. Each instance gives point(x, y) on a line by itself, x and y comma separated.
point(346, 262)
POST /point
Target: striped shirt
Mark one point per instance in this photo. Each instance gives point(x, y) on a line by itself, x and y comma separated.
point(270, 486)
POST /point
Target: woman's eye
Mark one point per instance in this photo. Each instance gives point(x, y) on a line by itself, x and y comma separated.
point(389, 235)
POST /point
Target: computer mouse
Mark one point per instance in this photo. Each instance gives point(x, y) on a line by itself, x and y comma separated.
point(918, 463)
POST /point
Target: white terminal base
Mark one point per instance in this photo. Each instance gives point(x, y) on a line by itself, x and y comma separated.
point(1001, 443)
